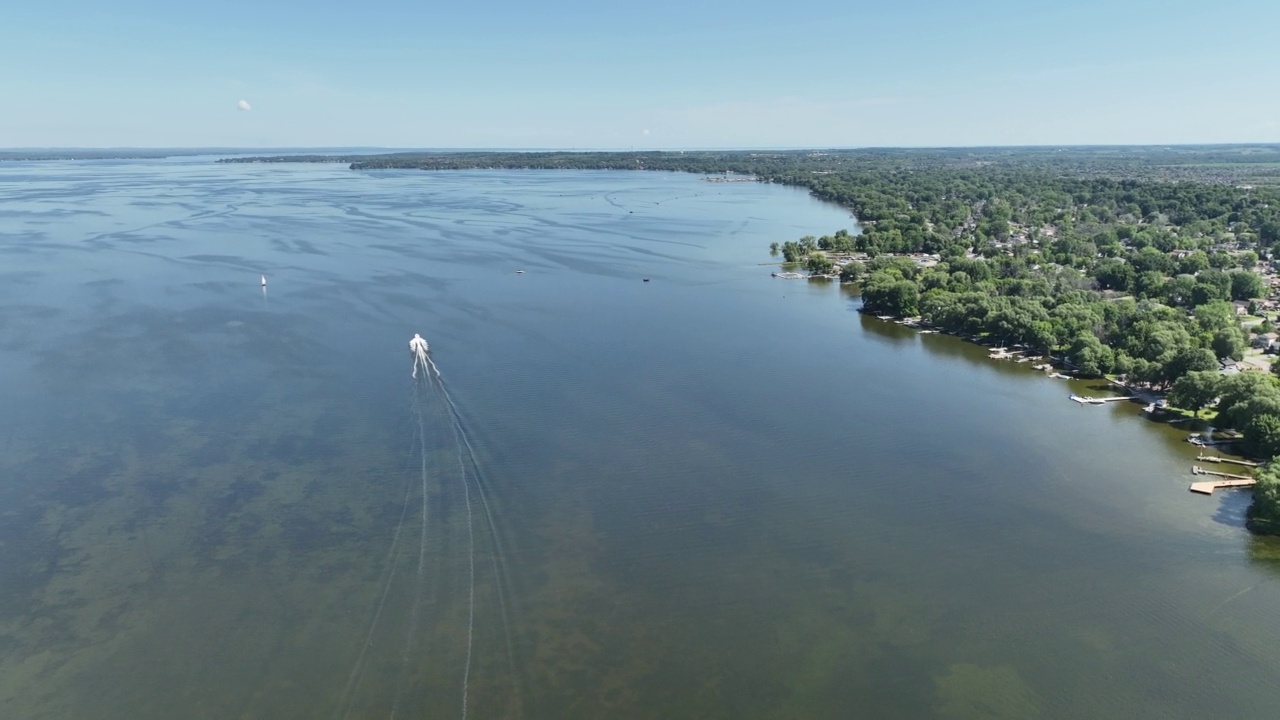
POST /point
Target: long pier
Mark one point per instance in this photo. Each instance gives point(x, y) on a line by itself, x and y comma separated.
point(1233, 461)
point(1196, 469)
point(1086, 400)
point(1227, 480)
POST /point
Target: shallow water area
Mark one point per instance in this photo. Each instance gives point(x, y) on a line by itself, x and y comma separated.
point(714, 494)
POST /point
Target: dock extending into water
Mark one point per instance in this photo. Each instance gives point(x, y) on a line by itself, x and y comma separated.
point(1233, 461)
point(1224, 480)
point(1086, 400)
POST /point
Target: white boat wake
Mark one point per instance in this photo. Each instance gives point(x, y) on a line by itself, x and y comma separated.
point(418, 346)
point(443, 448)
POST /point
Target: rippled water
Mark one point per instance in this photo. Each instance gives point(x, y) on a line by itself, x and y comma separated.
point(714, 494)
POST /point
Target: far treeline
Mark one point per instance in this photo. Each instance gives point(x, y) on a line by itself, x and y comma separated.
point(1131, 261)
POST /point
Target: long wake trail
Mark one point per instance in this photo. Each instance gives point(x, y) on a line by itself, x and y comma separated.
point(466, 457)
point(438, 385)
point(497, 558)
point(471, 566)
point(415, 614)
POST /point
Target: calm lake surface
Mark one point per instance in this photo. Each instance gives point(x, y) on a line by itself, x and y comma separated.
point(712, 495)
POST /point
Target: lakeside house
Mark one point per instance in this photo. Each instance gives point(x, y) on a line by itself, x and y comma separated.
point(1267, 342)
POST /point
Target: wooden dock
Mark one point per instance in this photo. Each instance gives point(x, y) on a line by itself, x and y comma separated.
point(1196, 469)
point(1226, 480)
point(1233, 461)
point(1207, 487)
point(1086, 400)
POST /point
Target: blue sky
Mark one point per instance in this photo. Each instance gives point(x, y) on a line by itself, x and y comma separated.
point(656, 74)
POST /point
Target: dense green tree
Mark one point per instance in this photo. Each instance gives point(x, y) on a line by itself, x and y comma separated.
point(1229, 343)
point(1149, 285)
point(887, 292)
point(793, 252)
point(1262, 436)
point(819, 264)
point(1191, 359)
point(902, 266)
point(1196, 390)
point(1246, 285)
point(1216, 315)
point(1178, 291)
point(1219, 280)
point(1114, 274)
point(1220, 261)
point(1264, 513)
point(851, 271)
point(1090, 356)
point(1158, 341)
point(1193, 263)
point(1269, 232)
point(1151, 259)
point(905, 298)
point(1072, 320)
point(1204, 293)
point(1245, 395)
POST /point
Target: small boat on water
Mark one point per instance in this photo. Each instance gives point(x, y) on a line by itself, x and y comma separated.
point(1206, 440)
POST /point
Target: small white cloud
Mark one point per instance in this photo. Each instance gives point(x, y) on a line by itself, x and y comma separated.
point(244, 105)
point(644, 132)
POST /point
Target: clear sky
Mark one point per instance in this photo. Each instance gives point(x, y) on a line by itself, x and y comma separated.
point(643, 74)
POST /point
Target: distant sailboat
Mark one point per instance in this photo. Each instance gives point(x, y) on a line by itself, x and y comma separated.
point(264, 281)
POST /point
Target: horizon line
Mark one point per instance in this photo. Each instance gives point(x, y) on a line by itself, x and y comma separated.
point(387, 148)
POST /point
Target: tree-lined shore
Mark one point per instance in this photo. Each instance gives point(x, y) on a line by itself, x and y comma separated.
point(1167, 285)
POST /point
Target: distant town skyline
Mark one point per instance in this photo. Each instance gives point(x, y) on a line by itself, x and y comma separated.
point(745, 74)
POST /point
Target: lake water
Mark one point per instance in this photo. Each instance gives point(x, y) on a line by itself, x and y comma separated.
point(715, 494)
